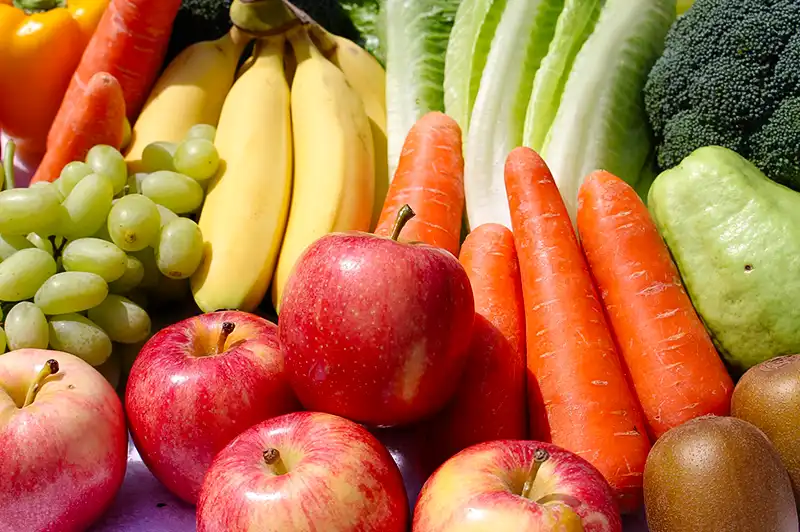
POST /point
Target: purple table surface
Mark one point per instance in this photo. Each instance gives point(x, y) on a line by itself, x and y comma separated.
point(144, 505)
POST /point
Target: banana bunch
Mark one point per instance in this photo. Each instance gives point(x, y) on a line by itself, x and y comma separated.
point(301, 135)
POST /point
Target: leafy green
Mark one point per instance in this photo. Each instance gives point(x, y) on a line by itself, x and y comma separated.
point(496, 125)
point(470, 41)
point(416, 38)
point(366, 16)
point(574, 26)
point(601, 123)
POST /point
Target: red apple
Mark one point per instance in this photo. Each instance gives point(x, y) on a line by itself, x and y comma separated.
point(303, 472)
point(375, 330)
point(516, 485)
point(63, 443)
point(489, 403)
point(196, 385)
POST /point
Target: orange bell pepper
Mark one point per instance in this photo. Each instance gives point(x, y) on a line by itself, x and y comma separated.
point(41, 43)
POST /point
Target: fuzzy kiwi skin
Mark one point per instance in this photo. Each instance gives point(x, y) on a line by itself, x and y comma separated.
point(717, 474)
point(768, 396)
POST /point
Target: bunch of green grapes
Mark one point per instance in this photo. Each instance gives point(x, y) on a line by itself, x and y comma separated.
point(80, 257)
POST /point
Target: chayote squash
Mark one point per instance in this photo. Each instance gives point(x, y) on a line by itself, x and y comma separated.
point(735, 236)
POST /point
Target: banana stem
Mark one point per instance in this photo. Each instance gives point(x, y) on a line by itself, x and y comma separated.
point(263, 18)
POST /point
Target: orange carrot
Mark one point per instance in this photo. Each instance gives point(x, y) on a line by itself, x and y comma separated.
point(429, 178)
point(673, 364)
point(97, 117)
point(489, 403)
point(578, 392)
point(130, 43)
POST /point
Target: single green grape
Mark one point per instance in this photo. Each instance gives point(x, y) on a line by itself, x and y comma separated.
point(41, 242)
point(71, 175)
point(94, 255)
point(134, 222)
point(79, 336)
point(134, 273)
point(10, 244)
point(123, 320)
point(108, 162)
point(151, 273)
point(201, 131)
point(28, 210)
point(166, 215)
point(24, 272)
point(127, 134)
point(180, 248)
point(177, 192)
point(68, 292)
point(197, 158)
point(26, 327)
point(46, 187)
point(2, 341)
point(87, 206)
point(158, 156)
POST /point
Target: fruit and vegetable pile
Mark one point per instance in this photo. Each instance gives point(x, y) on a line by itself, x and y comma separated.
point(551, 246)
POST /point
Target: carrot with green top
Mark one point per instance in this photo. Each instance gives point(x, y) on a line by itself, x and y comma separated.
point(674, 367)
point(578, 394)
point(429, 178)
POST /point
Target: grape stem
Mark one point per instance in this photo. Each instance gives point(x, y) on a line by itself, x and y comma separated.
point(50, 368)
point(8, 164)
point(57, 250)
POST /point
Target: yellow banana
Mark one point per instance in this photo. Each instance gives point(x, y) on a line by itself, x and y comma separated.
point(368, 79)
point(247, 205)
point(334, 175)
point(190, 91)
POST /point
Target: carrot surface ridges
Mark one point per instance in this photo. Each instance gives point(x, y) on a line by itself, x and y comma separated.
point(674, 367)
point(429, 178)
point(578, 393)
point(130, 43)
point(97, 117)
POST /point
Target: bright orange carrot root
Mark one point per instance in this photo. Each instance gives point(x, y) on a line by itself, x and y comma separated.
point(130, 43)
point(96, 118)
point(489, 403)
point(578, 393)
point(429, 178)
point(673, 364)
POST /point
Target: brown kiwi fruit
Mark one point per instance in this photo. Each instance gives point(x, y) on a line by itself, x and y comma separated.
point(717, 474)
point(768, 396)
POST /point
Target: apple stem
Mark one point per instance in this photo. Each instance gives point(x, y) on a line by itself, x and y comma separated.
point(227, 329)
point(272, 457)
point(50, 368)
point(403, 216)
point(540, 456)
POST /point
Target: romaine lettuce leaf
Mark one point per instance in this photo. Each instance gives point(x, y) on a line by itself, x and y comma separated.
point(601, 124)
point(496, 125)
point(416, 40)
point(470, 41)
point(574, 26)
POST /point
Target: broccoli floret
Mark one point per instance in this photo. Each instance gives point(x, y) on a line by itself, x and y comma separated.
point(730, 76)
point(205, 20)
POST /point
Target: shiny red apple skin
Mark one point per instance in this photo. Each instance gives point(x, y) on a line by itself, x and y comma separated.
point(339, 479)
point(477, 491)
point(183, 409)
point(63, 457)
point(375, 330)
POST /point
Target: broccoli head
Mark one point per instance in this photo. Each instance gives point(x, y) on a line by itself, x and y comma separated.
point(730, 76)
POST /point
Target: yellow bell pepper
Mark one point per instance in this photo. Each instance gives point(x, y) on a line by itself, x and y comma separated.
point(41, 43)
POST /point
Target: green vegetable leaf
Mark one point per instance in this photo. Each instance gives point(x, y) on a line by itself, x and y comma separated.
point(366, 16)
point(574, 26)
point(470, 41)
point(496, 125)
point(416, 40)
point(601, 123)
